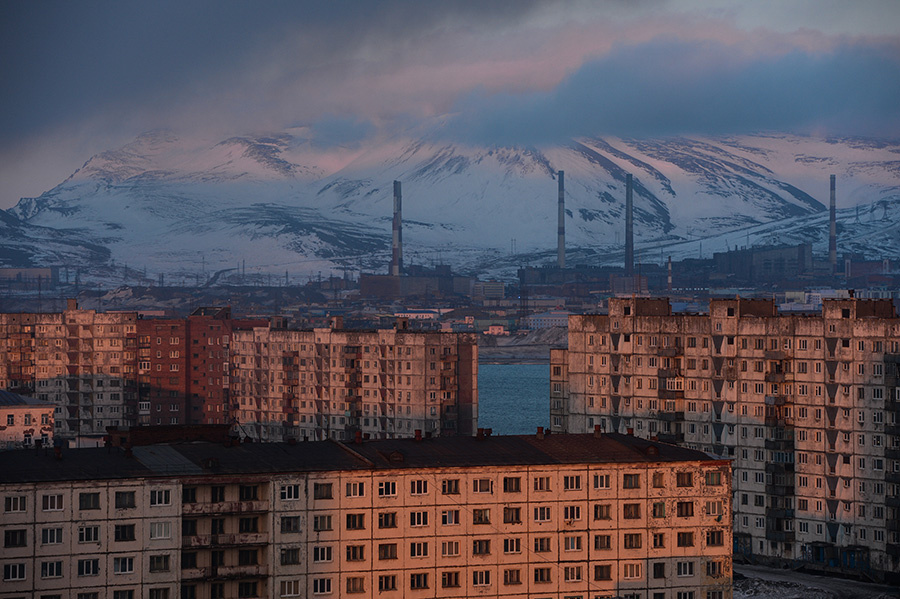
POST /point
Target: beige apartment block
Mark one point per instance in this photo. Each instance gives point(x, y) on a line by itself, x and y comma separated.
point(335, 383)
point(805, 404)
point(24, 421)
point(82, 361)
point(556, 516)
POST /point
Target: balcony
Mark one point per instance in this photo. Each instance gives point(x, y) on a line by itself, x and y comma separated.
point(225, 507)
point(670, 416)
point(774, 377)
point(781, 536)
point(673, 438)
point(241, 571)
point(670, 352)
point(244, 538)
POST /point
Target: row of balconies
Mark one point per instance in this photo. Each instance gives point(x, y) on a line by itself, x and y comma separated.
point(226, 507)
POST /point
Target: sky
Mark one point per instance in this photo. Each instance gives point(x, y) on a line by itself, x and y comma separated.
point(81, 77)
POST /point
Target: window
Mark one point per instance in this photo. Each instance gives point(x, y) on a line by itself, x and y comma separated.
point(387, 520)
point(512, 577)
point(387, 488)
point(123, 565)
point(188, 560)
point(356, 584)
point(542, 514)
point(572, 512)
point(542, 483)
point(631, 481)
point(356, 521)
point(89, 501)
point(631, 541)
point(512, 515)
point(321, 522)
point(357, 489)
point(290, 524)
point(51, 536)
point(217, 494)
point(601, 481)
point(659, 540)
point(631, 571)
point(481, 578)
point(715, 538)
point(483, 485)
point(126, 594)
point(160, 530)
point(418, 487)
point(542, 545)
point(685, 539)
point(88, 534)
point(542, 575)
point(449, 517)
point(387, 582)
point(124, 500)
point(250, 524)
point(659, 570)
point(247, 557)
point(124, 532)
point(321, 490)
point(52, 503)
point(449, 548)
point(321, 586)
point(513, 545)
point(418, 519)
point(481, 516)
point(572, 543)
point(16, 537)
point(290, 557)
point(602, 542)
point(481, 547)
point(387, 551)
point(418, 549)
point(631, 511)
point(159, 563)
point(290, 492)
point(450, 486)
point(356, 553)
point(13, 571)
point(684, 568)
point(189, 495)
point(418, 580)
point(714, 568)
point(14, 503)
point(572, 573)
point(322, 553)
point(684, 479)
point(512, 484)
point(714, 478)
point(572, 483)
point(603, 572)
point(659, 509)
point(602, 511)
point(289, 588)
point(248, 492)
point(160, 497)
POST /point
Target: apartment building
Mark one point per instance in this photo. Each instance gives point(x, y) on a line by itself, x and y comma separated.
point(333, 383)
point(116, 369)
point(24, 421)
point(592, 515)
point(805, 404)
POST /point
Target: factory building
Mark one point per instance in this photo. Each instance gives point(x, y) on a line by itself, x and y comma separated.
point(807, 406)
point(593, 515)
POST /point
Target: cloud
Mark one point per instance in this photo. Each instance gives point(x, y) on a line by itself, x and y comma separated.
point(665, 88)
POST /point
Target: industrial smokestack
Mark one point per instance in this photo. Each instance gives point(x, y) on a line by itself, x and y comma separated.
point(629, 228)
point(669, 286)
point(832, 231)
point(561, 228)
point(397, 243)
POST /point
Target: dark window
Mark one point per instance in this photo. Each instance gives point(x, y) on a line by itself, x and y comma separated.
point(89, 501)
point(189, 495)
point(188, 559)
point(685, 509)
point(15, 538)
point(247, 557)
point(684, 479)
point(217, 494)
point(603, 572)
point(387, 551)
point(124, 499)
point(512, 484)
point(387, 520)
point(247, 589)
point(249, 492)
point(248, 525)
point(659, 570)
point(512, 515)
point(217, 526)
point(159, 563)
point(322, 491)
point(290, 524)
point(217, 558)
point(124, 532)
point(290, 557)
point(188, 591)
point(356, 521)
point(188, 528)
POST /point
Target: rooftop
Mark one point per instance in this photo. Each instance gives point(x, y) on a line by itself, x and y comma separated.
point(13, 400)
point(212, 459)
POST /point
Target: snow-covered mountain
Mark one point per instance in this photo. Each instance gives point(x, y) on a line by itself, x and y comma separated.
point(282, 202)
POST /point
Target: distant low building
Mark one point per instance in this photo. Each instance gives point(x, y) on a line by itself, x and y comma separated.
point(23, 420)
point(547, 320)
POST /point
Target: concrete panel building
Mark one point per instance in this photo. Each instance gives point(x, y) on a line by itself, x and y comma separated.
point(592, 515)
point(806, 405)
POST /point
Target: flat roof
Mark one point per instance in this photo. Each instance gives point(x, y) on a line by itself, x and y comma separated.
point(218, 459)
point(14, 400)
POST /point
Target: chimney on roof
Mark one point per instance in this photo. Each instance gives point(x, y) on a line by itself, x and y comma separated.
point(357, 438)
point(561, 222)
point(598, 431)
point(397, 229)
point(832, 229)
point(71, 304)
point(629, 227)
point(630, 432)
point(540, 432)
point(480, 434)
point(418, 434)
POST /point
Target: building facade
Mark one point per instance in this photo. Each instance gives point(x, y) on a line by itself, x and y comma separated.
point(805, 404)
point(333, 383)
point(24, 421)
point(556, 516)
point(116, 369)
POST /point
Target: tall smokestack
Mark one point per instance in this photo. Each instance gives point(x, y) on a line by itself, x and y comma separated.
point(832, 231)
point(397, 243)
point(561, 227)
point(629, 228)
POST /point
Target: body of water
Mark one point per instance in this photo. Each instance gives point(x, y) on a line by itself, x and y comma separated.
point(513, 399)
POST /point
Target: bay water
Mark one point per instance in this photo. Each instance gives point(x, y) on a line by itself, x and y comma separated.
point(513, 399)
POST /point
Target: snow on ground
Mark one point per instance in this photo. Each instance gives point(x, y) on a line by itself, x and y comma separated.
point(771, 583)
